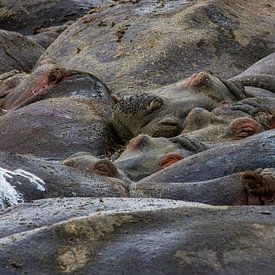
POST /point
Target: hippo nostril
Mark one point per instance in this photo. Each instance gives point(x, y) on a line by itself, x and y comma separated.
point(154, 104)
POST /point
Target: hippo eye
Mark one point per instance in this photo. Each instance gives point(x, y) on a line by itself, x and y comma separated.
point(154, 104)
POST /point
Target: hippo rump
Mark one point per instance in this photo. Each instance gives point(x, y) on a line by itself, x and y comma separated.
point(135, 236)
point(142, 45)
point(59, 127)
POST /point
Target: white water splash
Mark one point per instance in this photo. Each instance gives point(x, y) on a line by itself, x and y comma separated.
point(8, 194)
point(39, 183)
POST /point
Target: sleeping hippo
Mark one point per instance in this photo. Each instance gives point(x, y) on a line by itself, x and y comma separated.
point(137, 46)
point(25, 178)
point(135, 236)
point(59, 127)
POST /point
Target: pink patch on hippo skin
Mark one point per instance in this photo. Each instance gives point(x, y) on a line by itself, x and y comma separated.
point(170, 159)
point(184, 84)
point(33, 87)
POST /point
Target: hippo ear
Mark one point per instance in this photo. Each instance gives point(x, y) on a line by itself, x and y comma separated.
point(169, 159)
point(56, 74)
point(103, 167)
point(115, 98)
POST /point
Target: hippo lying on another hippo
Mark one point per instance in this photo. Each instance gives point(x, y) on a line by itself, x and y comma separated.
point(135, 236)
point(49, 80)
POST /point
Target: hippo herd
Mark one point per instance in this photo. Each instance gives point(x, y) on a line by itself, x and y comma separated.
point(137, 137)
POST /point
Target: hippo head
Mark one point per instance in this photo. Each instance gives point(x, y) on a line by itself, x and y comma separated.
point(49, 80)
point(146, 155)
point(144, 113)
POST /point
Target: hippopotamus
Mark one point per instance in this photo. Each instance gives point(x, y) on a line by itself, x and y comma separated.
point(162, 112)
point(133, 236)
point(27, 16)
point(45, 36)
point(86, 162)
point(243, 155)
point(26, 178)
point(56, 128)
point(258, 79)
point(49, 80)
point(227, 123)
point(141, 45)
point(145, 155)
point(18, 52)
point(245, 188)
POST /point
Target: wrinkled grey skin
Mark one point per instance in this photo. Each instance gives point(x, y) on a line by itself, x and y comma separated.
point(136, 237)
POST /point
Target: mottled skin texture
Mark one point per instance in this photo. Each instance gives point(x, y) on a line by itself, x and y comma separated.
point(58, 128)
point(50, 80)
point(142, 45)
point(131, 236)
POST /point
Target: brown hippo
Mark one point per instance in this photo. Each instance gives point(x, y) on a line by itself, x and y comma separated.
point(246, 188)
point(162, 112)
point(45, 36)
point(136, 236)
point(86, 162)
point(145, 155)
point(137, 46)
